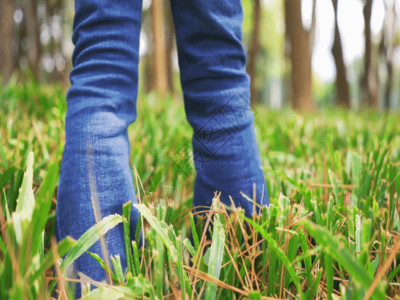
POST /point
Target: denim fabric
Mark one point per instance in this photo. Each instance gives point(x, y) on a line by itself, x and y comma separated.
point(102, 104)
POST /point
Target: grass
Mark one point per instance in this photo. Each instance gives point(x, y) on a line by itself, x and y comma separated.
point(331, 231)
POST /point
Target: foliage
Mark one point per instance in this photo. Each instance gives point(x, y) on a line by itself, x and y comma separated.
point(331, 230)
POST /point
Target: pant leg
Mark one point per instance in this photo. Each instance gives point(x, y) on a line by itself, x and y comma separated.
point(216, 93)
point(101, 105)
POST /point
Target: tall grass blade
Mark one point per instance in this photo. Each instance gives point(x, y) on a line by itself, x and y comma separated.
point(278, 252)
point(334, 247)
point(216, 253)
point(91, 236)
point(26, 201)
point(126, 213)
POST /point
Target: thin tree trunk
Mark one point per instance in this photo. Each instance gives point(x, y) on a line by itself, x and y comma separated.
point(170, 50)
point(160, 60)
point(33, 32)
point(54, 9)
point(342, 85)
point(148, 82)
point(287, 79)
point(7, 39)
point(313, 25)
point(389, 83)
point(369, 81)
point(386, 48)
point(254, 46)
point(300, 55)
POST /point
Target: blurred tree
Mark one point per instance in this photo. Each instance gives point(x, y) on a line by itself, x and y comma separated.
point(33, 34)
point(160, 57)
point(301, 40)
point(342, 85)
point(7, 8)
point(369, 80)
point(386, 47)
point(147, 60)
point(268, 63)
point(42, 38)
point(171, 47)
point(253, 50)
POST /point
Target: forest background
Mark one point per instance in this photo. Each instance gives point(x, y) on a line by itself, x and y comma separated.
point(304, 54)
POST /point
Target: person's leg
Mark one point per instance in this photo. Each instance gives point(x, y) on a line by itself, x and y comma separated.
point(101, 105)
point(216, 93)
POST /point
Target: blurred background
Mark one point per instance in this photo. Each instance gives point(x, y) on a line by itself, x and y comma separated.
point(305, 54)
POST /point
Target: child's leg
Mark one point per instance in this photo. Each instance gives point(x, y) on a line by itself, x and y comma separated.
point(101, 105)
point(216, 91)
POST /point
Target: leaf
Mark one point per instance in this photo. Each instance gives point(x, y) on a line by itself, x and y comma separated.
point(48, 259)
point(160, 227)
point(101, 262)
point(329, 275)
point(194, 232)
point(336, 248)
point(158, 262)
point(126, 212)
point(216, 253)
point(171, 242)
point(110, 293)
point(336, 189)
point(91, 236)
point(136, 260)
point(26, 200)
point(119, 273)
point(275, 248)
point(42, 208)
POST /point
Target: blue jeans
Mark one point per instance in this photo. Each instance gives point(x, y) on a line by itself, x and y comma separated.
point(102, 104)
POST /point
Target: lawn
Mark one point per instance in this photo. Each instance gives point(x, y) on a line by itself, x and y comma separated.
point(331, 231)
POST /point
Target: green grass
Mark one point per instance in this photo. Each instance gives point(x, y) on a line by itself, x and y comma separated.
point(331, 231)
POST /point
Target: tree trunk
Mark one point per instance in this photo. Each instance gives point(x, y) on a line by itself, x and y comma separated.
point(387, 48)
point(148, 82)
point(33, 32)
point(7, 39)
point(389, 83)
point(342, 85)
point(369, 80)
point(254, 46)
point(170, 50)
point(160, 60)
point(300, 56)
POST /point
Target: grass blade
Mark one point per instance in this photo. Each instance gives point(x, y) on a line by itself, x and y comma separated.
point(337, 250)
point(91, 236)
point(216, 254)
point(278, 251)
point(126, 213)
